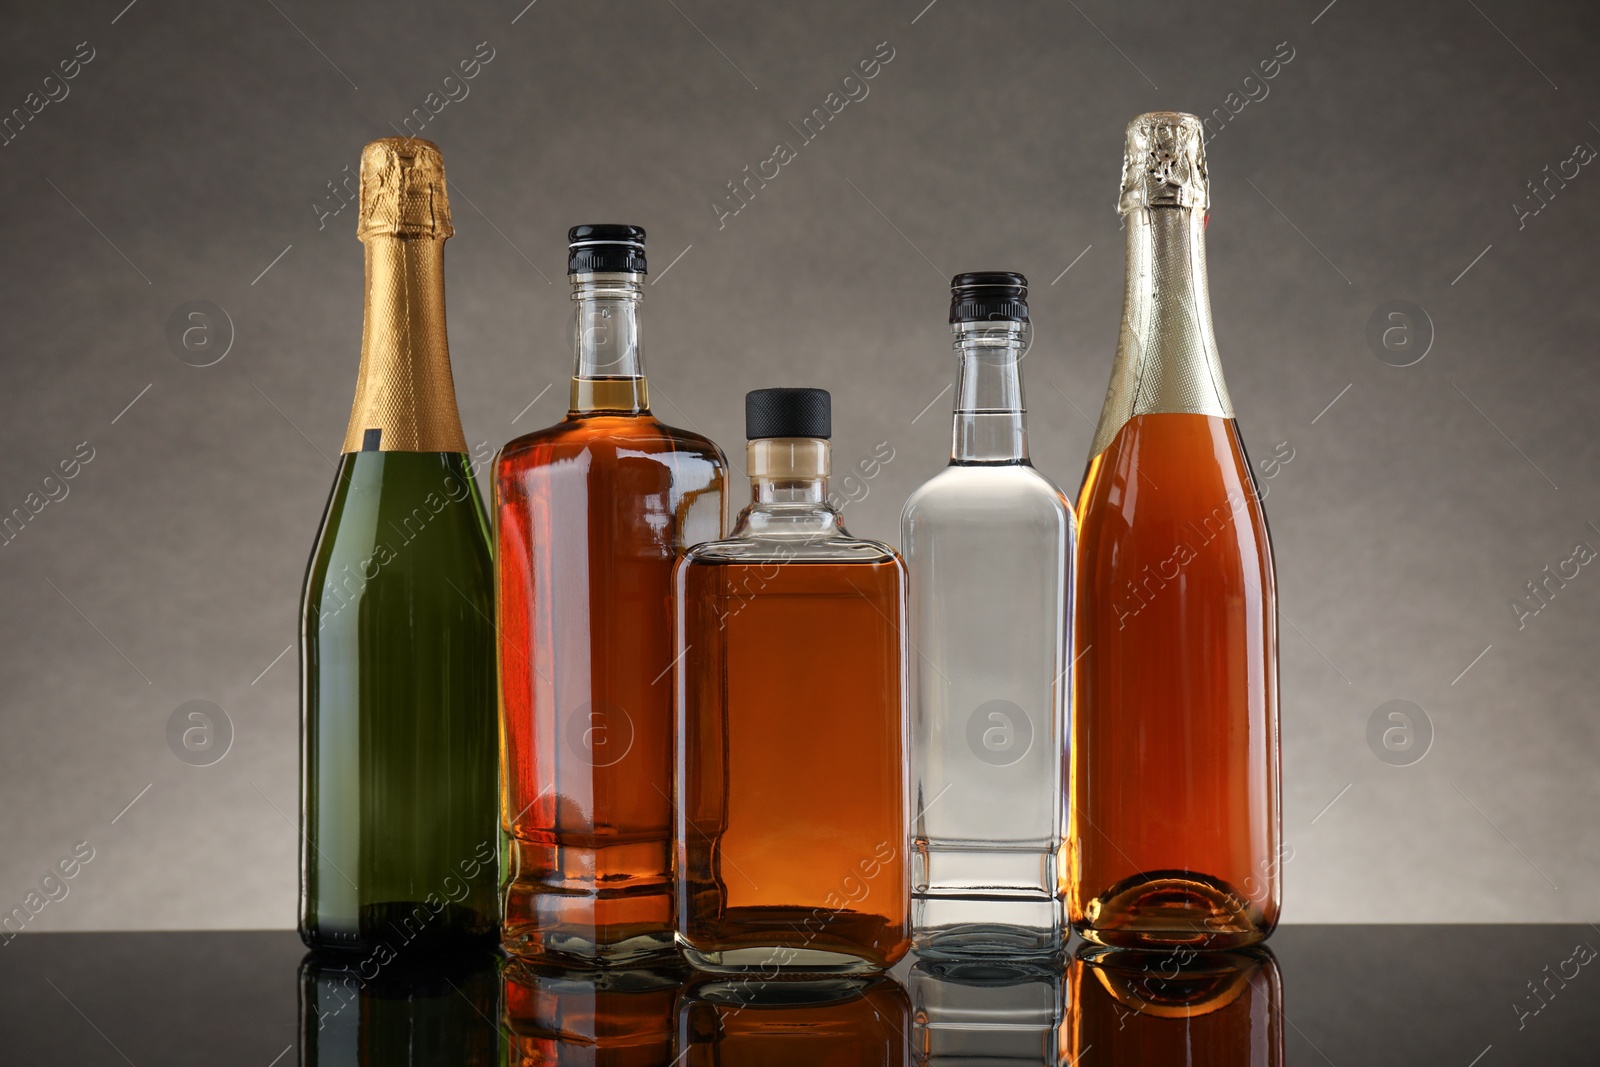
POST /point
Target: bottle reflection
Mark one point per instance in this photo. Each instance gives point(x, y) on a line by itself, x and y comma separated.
point(598, 1018)
point(838, 1021)
point(971, 1012)
point(357, 1012)
point(1199, 1008)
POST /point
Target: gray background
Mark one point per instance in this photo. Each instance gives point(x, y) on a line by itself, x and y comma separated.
point(1383, 162)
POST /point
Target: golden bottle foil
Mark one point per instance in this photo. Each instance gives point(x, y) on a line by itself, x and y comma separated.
point(1166, 352)
point(404, 391)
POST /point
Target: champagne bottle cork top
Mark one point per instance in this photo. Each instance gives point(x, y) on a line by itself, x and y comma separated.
point(1164, 163)
point(402, 190)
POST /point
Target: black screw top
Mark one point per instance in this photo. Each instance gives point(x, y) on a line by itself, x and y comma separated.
point(608, 247)
point(989, 296)
point(788, 413)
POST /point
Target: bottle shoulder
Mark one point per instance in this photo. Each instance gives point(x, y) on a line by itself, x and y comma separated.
point(608, 435)
point(988, 493)
point(799, 550)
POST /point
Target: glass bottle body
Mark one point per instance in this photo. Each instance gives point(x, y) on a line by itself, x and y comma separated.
point(988, 545)
point(1175, 742)
point(591, 514)
point(398, 735)
point(792, 788)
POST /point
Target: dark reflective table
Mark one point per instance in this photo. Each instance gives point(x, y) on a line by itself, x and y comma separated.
point(1460, 996)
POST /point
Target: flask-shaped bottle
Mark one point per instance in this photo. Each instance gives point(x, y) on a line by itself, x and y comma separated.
point(590, 516)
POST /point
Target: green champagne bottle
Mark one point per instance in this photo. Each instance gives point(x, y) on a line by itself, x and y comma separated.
point(398, 771)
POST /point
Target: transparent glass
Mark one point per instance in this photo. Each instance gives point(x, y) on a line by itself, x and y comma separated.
point(791, 782)
point(1175, 740)
point(840, 1022)
point(590, 516)
point(988, 545)
point(1134, 1007)
point(969, 1012)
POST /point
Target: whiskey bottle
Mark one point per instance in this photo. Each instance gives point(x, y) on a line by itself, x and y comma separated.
point(791, 770)
point(1182, 1006)
point(988, 545)
point(590, 516)
point(397, 770)
point(1174, 824)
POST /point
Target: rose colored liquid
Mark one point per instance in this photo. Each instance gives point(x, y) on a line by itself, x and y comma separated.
point(1174, 785)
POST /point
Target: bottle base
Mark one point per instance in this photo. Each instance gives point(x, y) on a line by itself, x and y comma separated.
point(986, 928)
point(771, 960)
point(563, 947)
point(1173, 909)
point(404, 929)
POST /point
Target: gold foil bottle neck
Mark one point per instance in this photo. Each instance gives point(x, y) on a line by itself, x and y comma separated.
point(403, 191)
point(1164, 163)
point(405, 394)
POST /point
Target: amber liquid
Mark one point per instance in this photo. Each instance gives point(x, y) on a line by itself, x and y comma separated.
point(793, 831)
point(1143, 1009)
point(1174, 820)
point(591, 515)
point(840, 1022)
point(591, 1017)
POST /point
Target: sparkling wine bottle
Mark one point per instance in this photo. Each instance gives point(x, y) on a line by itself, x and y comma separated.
point(791, 767)
point(1174, 824)
point(591, 514)
point(397, 774)
point(988, 546)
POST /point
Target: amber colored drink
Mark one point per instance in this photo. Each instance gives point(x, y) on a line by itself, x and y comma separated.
point(792, 831)
point(591, 515)
point(1174, 818)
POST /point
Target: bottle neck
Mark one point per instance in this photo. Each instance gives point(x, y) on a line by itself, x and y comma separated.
point(990, 421)
point(608, 364)
point(405, 395)
point(1166, 291)
point(1167, 358)
point(789, 489)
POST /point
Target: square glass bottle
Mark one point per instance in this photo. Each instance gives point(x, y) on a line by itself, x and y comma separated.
point(791, 785)
point(988, 543)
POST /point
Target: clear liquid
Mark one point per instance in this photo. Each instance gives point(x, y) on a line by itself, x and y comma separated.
point(989, 549)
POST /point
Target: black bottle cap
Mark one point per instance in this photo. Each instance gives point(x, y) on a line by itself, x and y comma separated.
point(608, 247)
point(989, 296)
point(788, 413)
